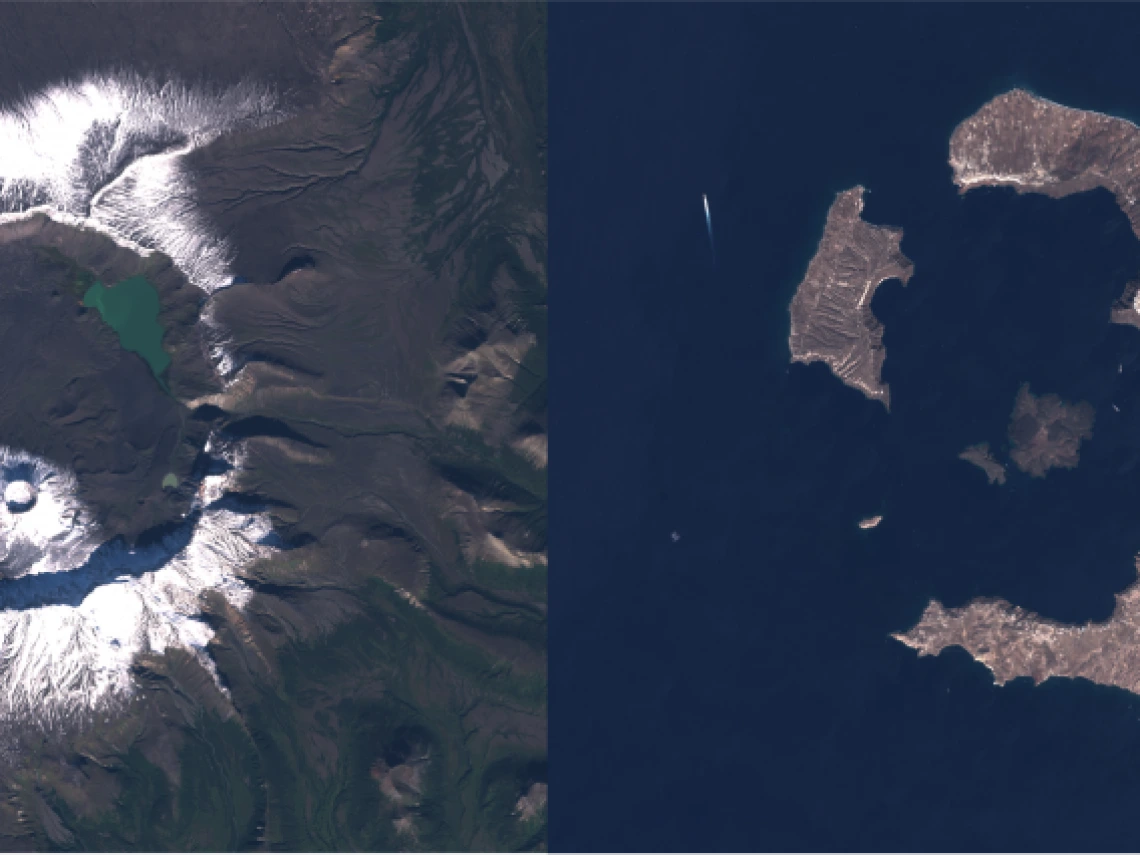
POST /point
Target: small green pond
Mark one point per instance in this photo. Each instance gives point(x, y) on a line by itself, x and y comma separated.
point(130, 308)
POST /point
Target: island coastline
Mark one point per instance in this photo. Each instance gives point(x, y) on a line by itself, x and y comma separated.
point(831, 317)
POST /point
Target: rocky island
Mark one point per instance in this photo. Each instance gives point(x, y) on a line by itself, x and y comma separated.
point(832, 321)
point(1034, 145)
point(1045, 432)
point(1013, 642)
point(980, 456)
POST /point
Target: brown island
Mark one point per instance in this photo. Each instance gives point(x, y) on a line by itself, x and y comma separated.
point(831, 313)
point(981, 457)
point(1033, 145)
point(1013, 642)
point(1045, 432)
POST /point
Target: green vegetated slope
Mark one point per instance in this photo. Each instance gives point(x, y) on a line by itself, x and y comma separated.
point(216, 805)
point(381, 693)
point(452, 680)
point(310, 765)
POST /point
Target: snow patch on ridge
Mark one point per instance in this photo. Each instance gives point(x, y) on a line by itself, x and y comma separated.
point(68, 635)
point(56, 532)
point(107, 152)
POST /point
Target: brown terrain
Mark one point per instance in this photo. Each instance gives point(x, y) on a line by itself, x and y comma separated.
point(388, 381)
point(71, 394)
point(981, 457)
point(832, 321)
point(1046, 432)
point(1014, 643)
point(1033, 145)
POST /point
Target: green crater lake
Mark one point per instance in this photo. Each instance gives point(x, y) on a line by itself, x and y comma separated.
point(130, 308)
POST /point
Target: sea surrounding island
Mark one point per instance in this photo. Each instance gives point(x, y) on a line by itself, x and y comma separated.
point(1036, 146)
point(744, 686)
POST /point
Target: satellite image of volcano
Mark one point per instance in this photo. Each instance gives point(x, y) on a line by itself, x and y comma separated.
point(273, 426)
point(1034, 146)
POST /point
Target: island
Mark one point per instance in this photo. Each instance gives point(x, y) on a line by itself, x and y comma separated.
point(1033, 145)
point(980, 456)
point(832, 321)
point(1013, 642)
point(1045, 432)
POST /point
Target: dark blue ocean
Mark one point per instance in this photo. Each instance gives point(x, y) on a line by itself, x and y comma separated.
point(738, 689)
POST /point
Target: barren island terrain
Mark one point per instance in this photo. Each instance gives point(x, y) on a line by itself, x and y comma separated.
point(832, 321)
point(1033, 145)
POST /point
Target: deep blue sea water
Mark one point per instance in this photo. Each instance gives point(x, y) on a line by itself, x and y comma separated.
point(738, 689)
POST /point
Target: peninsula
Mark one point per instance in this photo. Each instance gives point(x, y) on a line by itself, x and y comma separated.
point(831, 313)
